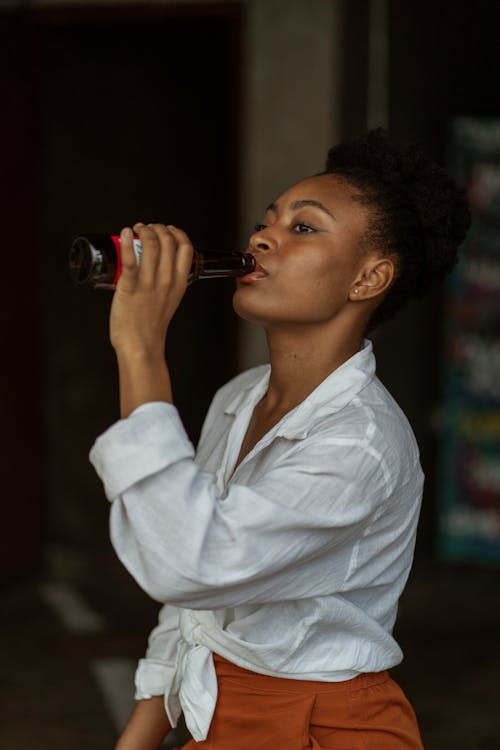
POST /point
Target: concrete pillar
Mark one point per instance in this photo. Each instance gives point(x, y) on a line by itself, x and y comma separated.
point(291, 109)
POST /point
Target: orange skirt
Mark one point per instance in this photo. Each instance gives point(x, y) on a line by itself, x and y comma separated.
point(257, 712)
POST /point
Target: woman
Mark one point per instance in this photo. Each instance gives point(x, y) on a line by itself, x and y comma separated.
point(281, 548)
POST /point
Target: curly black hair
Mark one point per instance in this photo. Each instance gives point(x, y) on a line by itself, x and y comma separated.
point(419, 216)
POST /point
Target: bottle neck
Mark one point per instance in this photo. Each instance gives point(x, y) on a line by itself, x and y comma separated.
point(212, 264)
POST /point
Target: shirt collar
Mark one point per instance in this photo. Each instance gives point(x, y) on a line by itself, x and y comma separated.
point(331, 395)
point(252, 391)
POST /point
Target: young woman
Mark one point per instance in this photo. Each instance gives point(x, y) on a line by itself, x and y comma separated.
point(280, 548)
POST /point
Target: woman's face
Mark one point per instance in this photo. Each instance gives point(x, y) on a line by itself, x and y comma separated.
point(309, 255)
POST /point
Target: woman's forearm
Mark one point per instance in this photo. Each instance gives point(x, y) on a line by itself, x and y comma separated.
point(147, 726)
point(143, 378)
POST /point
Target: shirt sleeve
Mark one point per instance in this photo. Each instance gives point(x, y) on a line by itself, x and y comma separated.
point(291, 535)
point(155, 673)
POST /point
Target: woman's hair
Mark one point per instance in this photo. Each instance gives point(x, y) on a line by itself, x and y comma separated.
point(419, 216)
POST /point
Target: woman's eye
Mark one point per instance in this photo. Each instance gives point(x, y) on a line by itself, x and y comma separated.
point(259, 227)
point(303, 228)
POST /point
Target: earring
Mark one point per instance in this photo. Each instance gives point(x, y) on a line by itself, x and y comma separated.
point(356, 291)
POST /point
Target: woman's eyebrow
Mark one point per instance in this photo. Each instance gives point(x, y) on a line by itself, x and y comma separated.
point(310, 202)
point(300, 204)
point(272, 207)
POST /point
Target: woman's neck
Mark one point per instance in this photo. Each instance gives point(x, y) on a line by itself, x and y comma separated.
point(301, 358)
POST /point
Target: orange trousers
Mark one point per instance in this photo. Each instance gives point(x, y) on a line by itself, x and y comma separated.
point(257, 712)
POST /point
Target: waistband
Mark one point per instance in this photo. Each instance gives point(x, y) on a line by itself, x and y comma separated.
point(226, 668)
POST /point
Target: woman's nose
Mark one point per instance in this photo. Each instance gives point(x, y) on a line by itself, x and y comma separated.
point(262, 245)
point(262, 241)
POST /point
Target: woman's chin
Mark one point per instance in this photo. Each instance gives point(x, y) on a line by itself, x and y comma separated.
point(249, 309)
point(245, 314)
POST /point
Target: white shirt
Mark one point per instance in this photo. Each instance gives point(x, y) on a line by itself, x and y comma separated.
point(293, 565)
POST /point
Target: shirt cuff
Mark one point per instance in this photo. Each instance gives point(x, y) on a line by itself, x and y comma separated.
point(149, 440)
point(152, 678)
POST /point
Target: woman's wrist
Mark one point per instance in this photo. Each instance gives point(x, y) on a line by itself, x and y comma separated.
point(141, 354)
point(144, 377)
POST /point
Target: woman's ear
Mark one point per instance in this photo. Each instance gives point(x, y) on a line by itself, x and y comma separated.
point(375, 279)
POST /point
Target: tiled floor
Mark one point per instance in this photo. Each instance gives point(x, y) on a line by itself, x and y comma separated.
point(66, 686)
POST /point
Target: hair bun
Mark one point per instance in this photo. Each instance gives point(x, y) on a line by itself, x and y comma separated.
point(443, 213)
point(425, 214)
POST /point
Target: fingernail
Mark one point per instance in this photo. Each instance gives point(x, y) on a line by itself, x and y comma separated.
point(126, 234)
point(138, 224)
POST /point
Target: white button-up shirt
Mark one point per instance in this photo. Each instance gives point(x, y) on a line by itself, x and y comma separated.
point(290, 566)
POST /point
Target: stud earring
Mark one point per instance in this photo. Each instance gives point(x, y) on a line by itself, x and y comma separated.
point(356, 291)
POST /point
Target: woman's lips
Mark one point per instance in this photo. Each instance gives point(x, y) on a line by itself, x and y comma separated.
point(258, 273)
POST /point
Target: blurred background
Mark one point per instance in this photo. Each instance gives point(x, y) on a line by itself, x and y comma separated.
point(200, 113)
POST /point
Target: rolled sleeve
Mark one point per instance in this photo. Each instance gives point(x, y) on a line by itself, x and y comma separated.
point(152, 678)
point(151, 438)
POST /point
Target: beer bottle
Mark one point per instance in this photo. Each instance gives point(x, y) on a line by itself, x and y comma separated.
point(95, 261)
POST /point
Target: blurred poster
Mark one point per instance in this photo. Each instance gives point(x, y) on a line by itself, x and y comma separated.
point(469, 509)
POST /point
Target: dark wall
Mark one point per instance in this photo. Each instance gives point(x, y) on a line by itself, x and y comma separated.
point(21, 432)
point(137, 112)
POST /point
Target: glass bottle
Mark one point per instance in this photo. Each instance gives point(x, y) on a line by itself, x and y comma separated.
point(95, 261)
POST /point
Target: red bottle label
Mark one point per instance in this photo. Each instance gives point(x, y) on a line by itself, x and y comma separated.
point(118, 248)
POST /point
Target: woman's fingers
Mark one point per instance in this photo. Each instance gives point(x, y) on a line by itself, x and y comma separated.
point(151, 251)
point(128, 258)
point(184, 252)
point(166, 258)
point(174, 257)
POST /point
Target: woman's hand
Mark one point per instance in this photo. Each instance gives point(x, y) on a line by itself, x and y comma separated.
point(145, 300)
point(147, 295)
